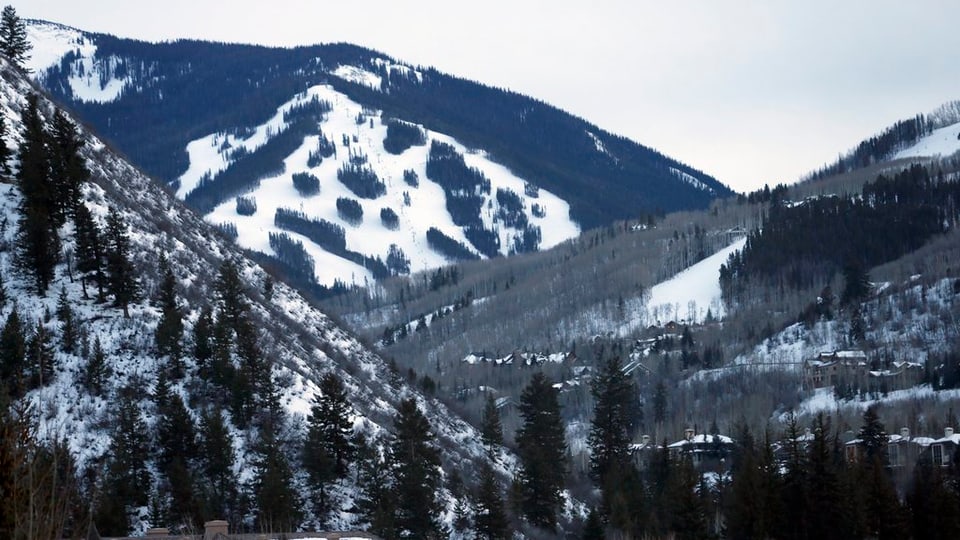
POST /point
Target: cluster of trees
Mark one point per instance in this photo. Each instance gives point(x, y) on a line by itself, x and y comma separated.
point(805, 245)
point(350, 210)
point(510, 209)
point(462, 185)
point(292, 254)
point(448, 247)
point(401, 136)
point(361, 180)
point(246, 206)
point(389, 218)
point(306, 184)
point(325, 148)
point(247, 169)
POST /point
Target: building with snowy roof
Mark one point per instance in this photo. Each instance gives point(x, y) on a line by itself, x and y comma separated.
point(707, 452)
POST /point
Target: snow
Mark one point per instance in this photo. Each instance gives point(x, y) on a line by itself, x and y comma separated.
point(692, 291)
point(941, 142)
point(91, 78)
point(690, 179)
point(824, 400)
point(358, 76)
point(211, 154)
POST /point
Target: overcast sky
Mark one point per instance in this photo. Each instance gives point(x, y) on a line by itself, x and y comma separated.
point(750, 92)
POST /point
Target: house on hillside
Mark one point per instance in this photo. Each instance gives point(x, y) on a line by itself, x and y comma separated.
point(706, 452)
point(943, 451)
point(852, 370)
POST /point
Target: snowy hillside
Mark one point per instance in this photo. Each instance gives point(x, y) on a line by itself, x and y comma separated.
point(419, 207)
point(300, 342)
point(942, 142)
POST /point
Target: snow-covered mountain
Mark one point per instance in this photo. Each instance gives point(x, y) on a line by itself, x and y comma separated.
point(540, 175)
point(300, 343)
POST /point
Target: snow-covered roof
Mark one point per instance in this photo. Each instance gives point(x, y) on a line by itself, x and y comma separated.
point(703, 438)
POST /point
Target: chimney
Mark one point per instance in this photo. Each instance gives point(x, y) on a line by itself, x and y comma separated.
point(159, 531)
point(905, 433)
point(688, 434)
point(947, 432)
point(213, 529)
point(646, 440)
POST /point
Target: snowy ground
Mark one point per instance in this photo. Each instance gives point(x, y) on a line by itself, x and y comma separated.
point(942, 142)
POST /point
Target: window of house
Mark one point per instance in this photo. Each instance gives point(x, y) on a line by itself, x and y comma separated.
point(938, 456)
point(893, 452)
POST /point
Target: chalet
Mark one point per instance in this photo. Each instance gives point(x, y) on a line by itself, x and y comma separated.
point(707, 452)
point(943, 452)
point(853, 369)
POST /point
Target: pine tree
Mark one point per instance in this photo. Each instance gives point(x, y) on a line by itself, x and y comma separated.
point(169, 333)
point(491, 431)
point(13, 354)
point(416, 473)
point(97, 371)
point(4, 151)
point(89, 250)
point(68, 324)
point(593, 528)
point(542, 450)
point(13, 37)
point(217, 467)
point(328, 449)
point(38, 245)
point(68, 169)
point(275, 499)
point(874, 437)
point(40, 356)
point(127, 479)
point(614, 409)
point(491, 518)
point(203, 341)
point(376, 503)
point(122, 281)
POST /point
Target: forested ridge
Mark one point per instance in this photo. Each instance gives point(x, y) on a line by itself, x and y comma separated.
point(190, 89)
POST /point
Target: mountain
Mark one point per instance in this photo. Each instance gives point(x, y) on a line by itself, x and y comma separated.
point(102, 371)
point(491, 172)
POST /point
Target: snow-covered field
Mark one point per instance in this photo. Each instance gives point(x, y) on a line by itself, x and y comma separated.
point(942, 142)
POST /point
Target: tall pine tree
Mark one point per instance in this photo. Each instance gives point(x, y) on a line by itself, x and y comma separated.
point(416, 473)
point(13, 37)
point(542, 449)
point(38, 244)
point(122, 280)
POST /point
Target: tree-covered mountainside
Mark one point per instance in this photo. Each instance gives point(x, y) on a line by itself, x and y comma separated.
point(186, 89)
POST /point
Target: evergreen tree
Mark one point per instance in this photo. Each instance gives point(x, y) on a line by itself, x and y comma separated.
point(169, 333)
point(13, 354)
point(660, 404)
point(68, 324)
point(686, 508)
point(68, 169)
point(203, 341)
point(38, 245)
point(856, 283)
point(542, 450)
point(491, 518)
point(874, 437)
point(416, 473)
point(13, 37)
point(328, 449)
point(97, 371)
point(376, 503)
point(127, 479)
point(593, 528)
point(89, 250)
point(491, 431)
point(4, 151)
point(122, 281)
point(613, 413)
point(176, 434)
point(40, 357)
point(275, 499)
point(220, 482)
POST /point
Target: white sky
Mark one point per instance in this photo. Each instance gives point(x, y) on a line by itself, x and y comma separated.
point(750, 92)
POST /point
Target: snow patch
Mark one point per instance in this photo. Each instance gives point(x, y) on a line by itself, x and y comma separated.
point(690, 179)
point(941, 142)
point(358, 76)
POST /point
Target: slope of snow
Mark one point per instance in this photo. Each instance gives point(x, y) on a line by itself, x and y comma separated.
point(358, 75)
point(690, 293)
point(941, 142)
point(92, 78)
point(427, 202)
